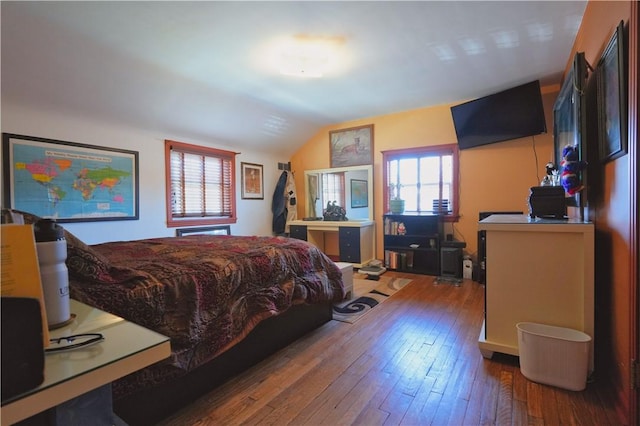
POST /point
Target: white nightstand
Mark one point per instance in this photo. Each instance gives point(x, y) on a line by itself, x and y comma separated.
point(347, 278)
point(126, 348)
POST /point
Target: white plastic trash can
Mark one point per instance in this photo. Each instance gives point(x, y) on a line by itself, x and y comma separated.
point(555, 356)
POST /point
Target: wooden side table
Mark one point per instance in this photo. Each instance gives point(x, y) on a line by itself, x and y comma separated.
point(127, 347)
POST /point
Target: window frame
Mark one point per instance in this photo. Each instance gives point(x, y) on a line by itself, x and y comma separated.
point(206, 151)
point(434, 150)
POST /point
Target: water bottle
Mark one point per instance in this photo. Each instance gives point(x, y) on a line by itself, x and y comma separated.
point(52, 254)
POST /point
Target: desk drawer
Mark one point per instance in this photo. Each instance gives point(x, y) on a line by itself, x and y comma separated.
point(298, 231)
point(349, 244)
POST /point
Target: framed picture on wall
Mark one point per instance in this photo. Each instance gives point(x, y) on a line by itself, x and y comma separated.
point(252, 181)
point(69, 181)
point(351, 147)
point(612, 98)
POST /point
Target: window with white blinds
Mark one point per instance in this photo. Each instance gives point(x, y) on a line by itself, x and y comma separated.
point(200, 184)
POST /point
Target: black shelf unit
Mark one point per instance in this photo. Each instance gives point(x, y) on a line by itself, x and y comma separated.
point(416, 250)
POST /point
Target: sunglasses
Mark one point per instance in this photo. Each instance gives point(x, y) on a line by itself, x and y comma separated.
point(74, 342)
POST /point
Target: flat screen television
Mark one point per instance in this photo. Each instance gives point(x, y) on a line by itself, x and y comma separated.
point(510, 114)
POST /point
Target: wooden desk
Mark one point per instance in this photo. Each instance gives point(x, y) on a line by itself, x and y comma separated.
point(126, 348)
point(356, 238)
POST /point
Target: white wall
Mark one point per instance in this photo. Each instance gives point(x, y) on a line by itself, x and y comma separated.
point(254, 216)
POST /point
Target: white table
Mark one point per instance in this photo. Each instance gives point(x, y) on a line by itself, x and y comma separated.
point(126, 348)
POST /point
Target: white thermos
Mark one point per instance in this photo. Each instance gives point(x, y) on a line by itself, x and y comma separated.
point(52, 254)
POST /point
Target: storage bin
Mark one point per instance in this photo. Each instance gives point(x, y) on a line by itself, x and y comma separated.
point(555, 356)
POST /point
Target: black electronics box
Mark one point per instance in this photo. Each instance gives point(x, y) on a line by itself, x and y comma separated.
point(453, 243)
point(547, 202)
point(22, 346)
point(451, 262)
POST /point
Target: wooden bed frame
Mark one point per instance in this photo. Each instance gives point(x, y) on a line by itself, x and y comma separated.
point(152, 405)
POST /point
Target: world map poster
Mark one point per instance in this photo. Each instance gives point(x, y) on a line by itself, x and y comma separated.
point(71, 182)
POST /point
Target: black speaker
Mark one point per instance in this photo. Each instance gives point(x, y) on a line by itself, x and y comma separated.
point(451, 262)
point(22, 346)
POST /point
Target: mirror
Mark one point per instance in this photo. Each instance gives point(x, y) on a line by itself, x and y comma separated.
point(350, 187)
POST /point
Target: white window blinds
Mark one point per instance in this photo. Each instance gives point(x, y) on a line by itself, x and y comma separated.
point(201, 182)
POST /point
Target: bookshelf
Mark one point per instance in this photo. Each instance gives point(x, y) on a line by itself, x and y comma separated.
point(412, 243)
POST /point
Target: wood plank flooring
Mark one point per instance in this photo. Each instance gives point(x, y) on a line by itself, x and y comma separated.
point(413, 360)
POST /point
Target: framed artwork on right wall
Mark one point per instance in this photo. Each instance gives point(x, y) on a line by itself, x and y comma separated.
point(612, 97)
point(569, 123)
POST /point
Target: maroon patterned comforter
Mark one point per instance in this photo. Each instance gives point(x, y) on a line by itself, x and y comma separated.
point(204, 292)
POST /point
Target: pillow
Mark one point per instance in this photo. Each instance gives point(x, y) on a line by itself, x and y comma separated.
point(85, 264)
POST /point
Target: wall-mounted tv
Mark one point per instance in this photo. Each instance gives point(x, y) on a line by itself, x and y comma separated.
point(510, 114)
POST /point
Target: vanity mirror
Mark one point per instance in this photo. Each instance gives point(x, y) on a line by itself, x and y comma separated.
point(349, 187)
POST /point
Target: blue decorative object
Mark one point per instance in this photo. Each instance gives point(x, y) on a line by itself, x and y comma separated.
point(571, 168)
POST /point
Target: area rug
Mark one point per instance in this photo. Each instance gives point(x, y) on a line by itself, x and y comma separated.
point(367, 294)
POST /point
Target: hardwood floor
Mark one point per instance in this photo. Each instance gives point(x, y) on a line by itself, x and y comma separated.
point(413, 360)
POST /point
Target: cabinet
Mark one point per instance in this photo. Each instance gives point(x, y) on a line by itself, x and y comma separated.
point(537, 270)
point(412, 243)
point(356, 239)
point(349, 243)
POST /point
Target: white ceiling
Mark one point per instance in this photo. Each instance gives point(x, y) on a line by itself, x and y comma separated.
point(197, 69)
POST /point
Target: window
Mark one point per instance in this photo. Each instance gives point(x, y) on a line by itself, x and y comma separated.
point(200, 185)
point(425, 178)
point(332, 189)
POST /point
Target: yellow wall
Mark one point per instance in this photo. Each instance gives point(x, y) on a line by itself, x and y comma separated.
point(492, 177)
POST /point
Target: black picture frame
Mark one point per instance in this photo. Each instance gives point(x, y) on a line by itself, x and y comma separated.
point(570, 124)
point(569, 110)
point(612, 98)
point(204, 230)
point(69, 181)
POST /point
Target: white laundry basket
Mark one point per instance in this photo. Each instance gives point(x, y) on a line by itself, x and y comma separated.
point(554, 356)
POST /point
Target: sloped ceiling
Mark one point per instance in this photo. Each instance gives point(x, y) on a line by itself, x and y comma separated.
point(200, 69)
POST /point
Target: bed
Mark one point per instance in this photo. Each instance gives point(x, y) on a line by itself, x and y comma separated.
point(226, 302)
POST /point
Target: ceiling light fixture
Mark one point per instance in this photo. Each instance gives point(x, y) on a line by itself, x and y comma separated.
point(305, 56)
